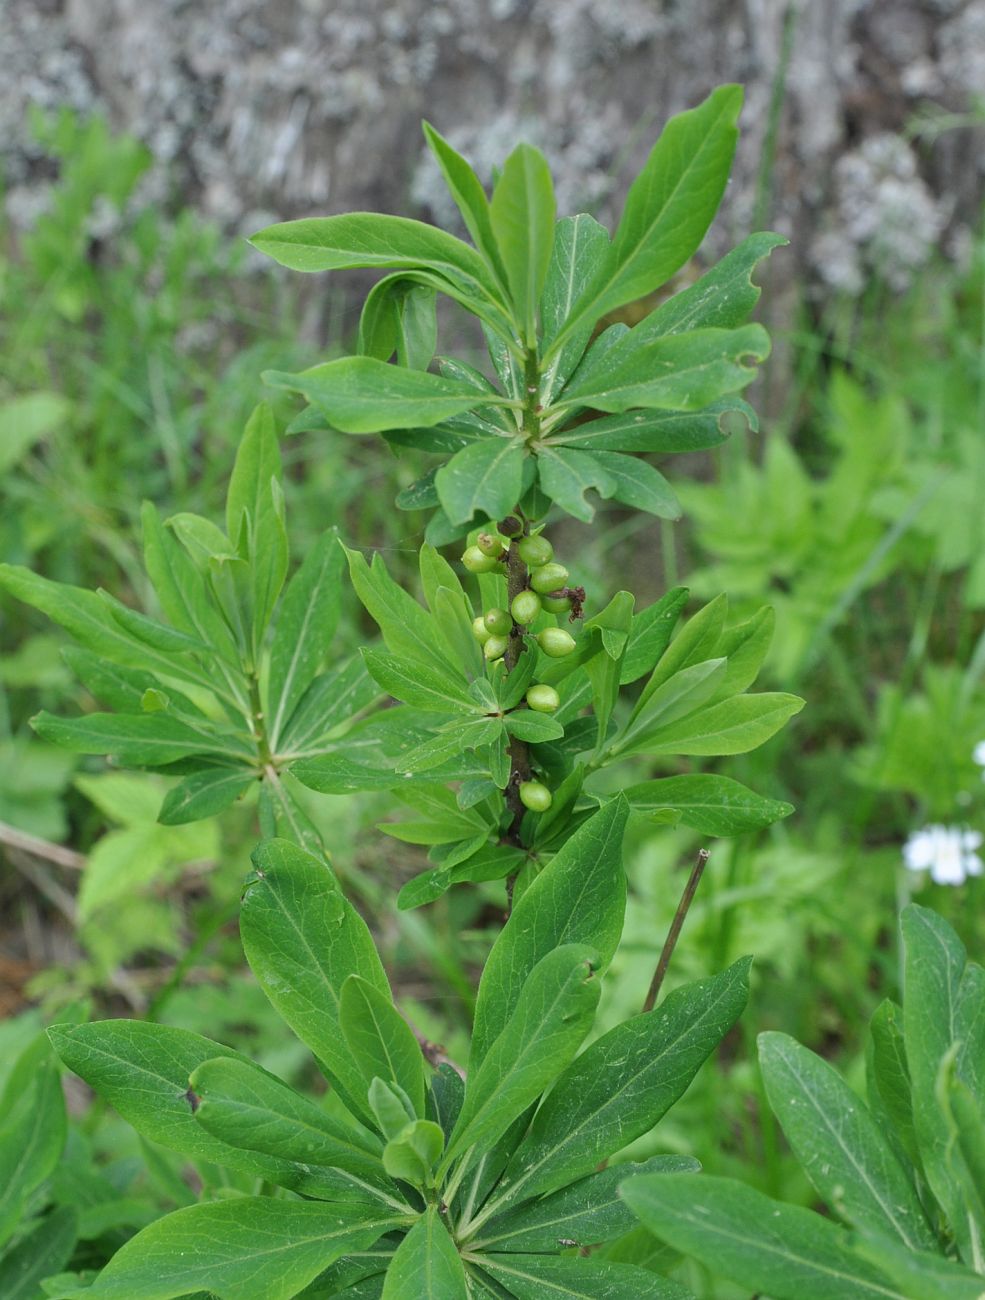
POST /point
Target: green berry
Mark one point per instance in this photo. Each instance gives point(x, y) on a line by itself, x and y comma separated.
point(549, 577)
point(556, 604)
point(554, 641)
point(489, 545)
point(476, 562)
point(535, 551)
point(543, 699)
point(480, 631)
point(498, 622)
point(495, 647)
point(525, 607)
point(535, 796)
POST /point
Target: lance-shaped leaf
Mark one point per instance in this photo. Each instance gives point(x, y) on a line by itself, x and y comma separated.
point(138, 740)
point(781, 1250)
point(399, 316)
point(250, 1248)
point(470, 198)
point(32, 1135)
point(536, 1277)
point(39, 1255)
point(579, 261)
point(566, 475)
point(485, 478)
point(679, 372)
point(303, 938)
point(714, 805)
point(745, 647)
point(372, 239)
point(888, 1076)
point(659, 431)
point(586, 1212)
point(407, 628)
point(425, 688)
point(244, 1106)
point(918, 1273)
point(733, 727)
point(364, 395)
point(622, 1084)
point(332, 698)
point(380, 1040)
point(143, 1070)
point(306, 623)
point(205, 793)
point(255, 503)
point(426, 1265)
point(839, 1146)
point(678, 697)
point(522, 212)
point(637, 484)
point(723, 297)
point(553, 1014)
point(669, 207)
point(650, 634)
point(580, 897)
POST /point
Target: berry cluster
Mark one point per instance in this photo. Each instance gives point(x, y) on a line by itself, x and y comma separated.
point(546, 591)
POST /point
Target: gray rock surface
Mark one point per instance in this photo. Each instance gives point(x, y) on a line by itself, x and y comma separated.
point(269, 109)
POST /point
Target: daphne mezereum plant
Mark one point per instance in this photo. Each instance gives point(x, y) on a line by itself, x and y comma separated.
point(410, 1180)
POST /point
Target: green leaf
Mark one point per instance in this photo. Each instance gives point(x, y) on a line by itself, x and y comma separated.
point(637, 484)
point(363, 395)
point(714, 805)
point(39, 1255)
point(533, 727)
point(722, 298)
point(244, 1106)
point(248, 1248)
point(413, 1154)
point(143, 1070)
point(302, 939)
point(255, 495)
point(933, 965)
point(586, 1212)
point(424, 688)
point(650, 634)
point(553, 1013)
point(580, 897)
point(422, 494)
point(26, 420)
point(486, 478)
point(733, 727)
point(925, 1276)
point(334, 697)
point(407, 628)
point(426, 1265)
point(399, 316)
point(579, 259)
point(745, 646)
point(565, 477)
point(622, 1084)
point(679, 697)
point(679, 372)
point(839, 1146)
point(889, 1076)
point(695, 642)
point(546, 1277)
point(371, 239)
point(670, 205)
point(119, 863)
point(523, 212)
point(380, 1039)
point(204, 794)
point(470, 198)
point(147, 740)
point(763, 1245)
point(657, 431)
point(31, 1142)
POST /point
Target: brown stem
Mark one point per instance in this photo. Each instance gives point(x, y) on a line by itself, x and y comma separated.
point(38, 848)
point(675, 928)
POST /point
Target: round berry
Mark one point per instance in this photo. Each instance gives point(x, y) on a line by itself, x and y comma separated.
point(511, 526)
point(543, 699)
point(476, 562)
point(535, 551)
point(489, 545)
point(525, 607)
point(480, 631)
point(554, 641)
point(556, 604)
point(549, 577)
point(498, 622)
point(495, 647)
point(535, 796)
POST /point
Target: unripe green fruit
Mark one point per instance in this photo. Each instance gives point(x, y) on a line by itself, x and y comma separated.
point(535, 796)
point(525, 606)
point(498, 622)
point(489, 545)
point(476, 562)
point(535, 551)
point(480, 631)
point(495, 647)
point(556, 604)
point(554, 641)
point(549, 577)
point(543, 699)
